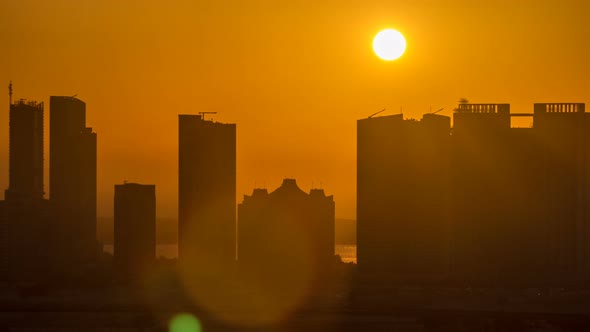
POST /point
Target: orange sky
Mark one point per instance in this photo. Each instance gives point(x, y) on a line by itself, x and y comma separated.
point(294, 75)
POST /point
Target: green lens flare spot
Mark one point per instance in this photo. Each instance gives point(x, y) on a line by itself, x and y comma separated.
point(185, 322)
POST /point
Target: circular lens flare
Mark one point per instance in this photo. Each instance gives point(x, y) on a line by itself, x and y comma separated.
point(389, 44)
point(184, 322)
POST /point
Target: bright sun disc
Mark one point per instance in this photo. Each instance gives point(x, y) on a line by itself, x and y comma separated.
point(389, 44)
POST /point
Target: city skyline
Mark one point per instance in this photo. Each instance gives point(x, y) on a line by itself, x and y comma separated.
point(441, 207)
point(280, 70)
point(263, 165)
point(518, 123)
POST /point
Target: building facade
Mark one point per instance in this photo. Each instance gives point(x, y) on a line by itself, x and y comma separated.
point(206, 192)
point(25, 216)
point(273, 226)
point(134, 249)
point(72, 178)
point(402, 199)
point(25, 151)
point(506, 205)
point(286, 245)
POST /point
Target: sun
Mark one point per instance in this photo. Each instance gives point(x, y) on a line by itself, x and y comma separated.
point(389, 44)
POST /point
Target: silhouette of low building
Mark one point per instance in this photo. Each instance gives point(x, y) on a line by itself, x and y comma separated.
point(135, 228)
point(286, 232)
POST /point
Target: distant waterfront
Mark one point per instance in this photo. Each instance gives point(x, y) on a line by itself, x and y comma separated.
point(347, 252)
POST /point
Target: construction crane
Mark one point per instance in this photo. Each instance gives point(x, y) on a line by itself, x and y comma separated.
point(372, 115)
point(203, 114)
point(437, 111)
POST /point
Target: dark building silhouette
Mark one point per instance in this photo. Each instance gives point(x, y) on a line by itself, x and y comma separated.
point(563, 206)
point(402, 198)
point(268, 223)
point(27, 246)
point(72, 176)
point(520, 184)
point(286, 245)
point(488, 204)
point(25, 217)
point(25, 151)
point(135, 228)
point(206, 192)
point(485, 191)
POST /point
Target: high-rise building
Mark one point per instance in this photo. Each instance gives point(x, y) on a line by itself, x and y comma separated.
point(481, 188)
point(25, 151)
point(206, 192)
point(72, 177)
point(489, 203)
point(520, 184)
point(27, 239)
point(402, 199)
point(25, 217)
point(562, 207)
point(135, 228)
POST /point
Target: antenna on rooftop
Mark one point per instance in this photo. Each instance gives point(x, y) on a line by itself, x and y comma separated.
point(10, 92)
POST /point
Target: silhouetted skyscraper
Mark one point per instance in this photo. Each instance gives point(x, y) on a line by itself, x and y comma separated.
point(484, 186)
point(27, 246)
point(563, 207)
point(72, 176)
point(135, 228)
point(519, 196)
point(25, 151)
point(206, 191)
point(402, 198)
point(25, 217)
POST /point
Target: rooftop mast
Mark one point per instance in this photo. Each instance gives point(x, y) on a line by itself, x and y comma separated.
point(10, 93)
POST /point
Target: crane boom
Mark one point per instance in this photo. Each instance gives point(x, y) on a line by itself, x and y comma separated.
point(372, 115)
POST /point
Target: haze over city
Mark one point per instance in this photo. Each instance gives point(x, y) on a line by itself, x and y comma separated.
point(295, 76)
point(338, 166)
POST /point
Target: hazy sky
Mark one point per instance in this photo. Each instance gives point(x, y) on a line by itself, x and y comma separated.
point(294, 75)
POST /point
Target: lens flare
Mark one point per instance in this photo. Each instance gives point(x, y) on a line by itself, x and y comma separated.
point(184, 322)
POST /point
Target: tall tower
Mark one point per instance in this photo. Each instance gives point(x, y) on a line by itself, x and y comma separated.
point(402, 179)
point(206, 191)
point(25, 150)
point(25, 217)
point(72, 176)
point(135, 228)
